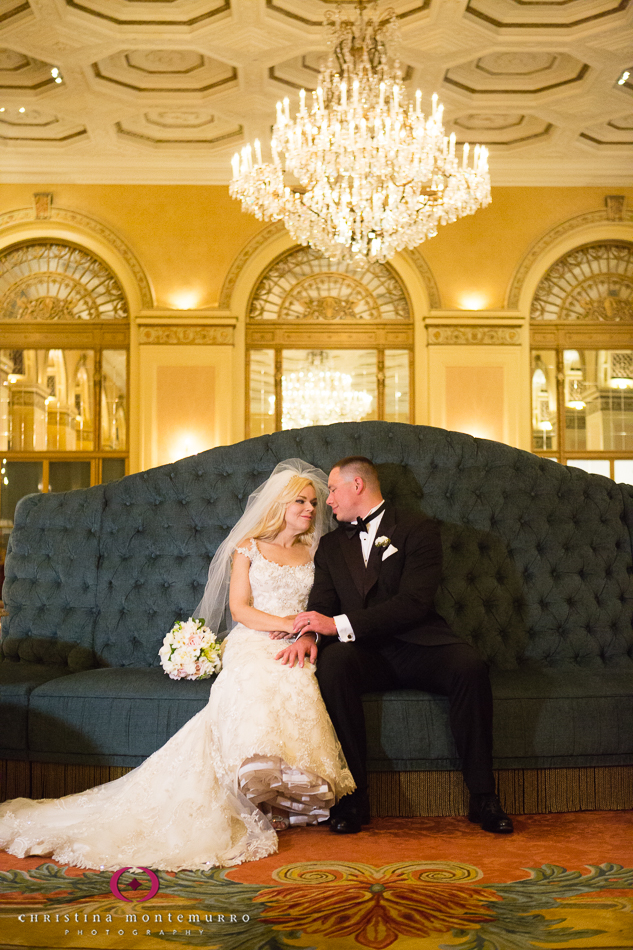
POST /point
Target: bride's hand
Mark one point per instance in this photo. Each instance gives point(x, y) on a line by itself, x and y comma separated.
point(286, 628)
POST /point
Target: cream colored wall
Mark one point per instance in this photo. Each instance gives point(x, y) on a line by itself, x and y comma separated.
point(187, 240)
point(477, 255)
point(185, 237)
point(185, 401)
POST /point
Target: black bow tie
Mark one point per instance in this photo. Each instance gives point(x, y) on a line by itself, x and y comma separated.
point(361, 523)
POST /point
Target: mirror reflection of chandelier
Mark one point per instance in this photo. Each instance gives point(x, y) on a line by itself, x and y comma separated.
point(372, 173)
point(318, 395)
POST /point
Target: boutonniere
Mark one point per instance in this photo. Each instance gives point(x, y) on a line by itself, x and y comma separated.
point(387, 547)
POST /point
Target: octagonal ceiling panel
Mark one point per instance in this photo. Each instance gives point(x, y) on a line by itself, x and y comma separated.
point(153, 13)
point(614, 132)
point(163, 128)
point(299, 12)
point(499, 129)
point(543, 14)
point(176, 81)
point(26, 126)
point(516, 72)
point(23, 73)
point(10, 9)
point(164, 70)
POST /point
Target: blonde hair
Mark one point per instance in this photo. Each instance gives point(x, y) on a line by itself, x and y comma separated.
point(274, 519)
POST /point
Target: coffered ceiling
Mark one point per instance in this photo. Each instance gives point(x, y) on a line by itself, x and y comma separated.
point(166, 90)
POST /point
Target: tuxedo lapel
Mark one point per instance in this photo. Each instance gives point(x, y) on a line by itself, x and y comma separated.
point(353, 554)
point(385, 529)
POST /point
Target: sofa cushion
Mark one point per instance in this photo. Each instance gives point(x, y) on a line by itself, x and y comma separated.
point(17, 682)
point(114, 716)
point(550, 719)
point(542, 719)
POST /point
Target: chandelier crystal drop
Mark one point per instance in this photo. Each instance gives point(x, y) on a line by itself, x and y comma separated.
point(372, 173)
point(318, 395)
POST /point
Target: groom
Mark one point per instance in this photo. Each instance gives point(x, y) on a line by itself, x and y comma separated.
point(372, 604)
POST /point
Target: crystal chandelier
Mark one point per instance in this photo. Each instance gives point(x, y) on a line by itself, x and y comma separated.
point(364, 172)
point(319, 396)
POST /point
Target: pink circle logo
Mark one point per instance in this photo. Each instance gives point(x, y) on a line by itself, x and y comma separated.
point(134, 884)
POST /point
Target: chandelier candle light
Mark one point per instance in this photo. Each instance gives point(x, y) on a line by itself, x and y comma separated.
point(318, 395)
point(372, 174)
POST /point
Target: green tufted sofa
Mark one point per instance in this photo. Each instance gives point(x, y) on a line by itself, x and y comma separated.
point(537, 574)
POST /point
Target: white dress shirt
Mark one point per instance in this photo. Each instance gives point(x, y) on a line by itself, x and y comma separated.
point(367, 538)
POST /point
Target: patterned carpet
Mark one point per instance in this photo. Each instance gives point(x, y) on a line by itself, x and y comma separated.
point(564, 882)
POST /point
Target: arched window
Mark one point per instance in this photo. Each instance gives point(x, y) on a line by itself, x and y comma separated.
point(64, 326)
point(582, 360)
point(327, 343)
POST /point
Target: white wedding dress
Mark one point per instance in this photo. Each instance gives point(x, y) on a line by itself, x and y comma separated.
point(264, 738)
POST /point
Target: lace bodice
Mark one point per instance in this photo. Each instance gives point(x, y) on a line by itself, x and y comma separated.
point(278, 589)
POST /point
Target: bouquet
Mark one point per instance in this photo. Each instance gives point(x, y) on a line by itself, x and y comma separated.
point(190, 651)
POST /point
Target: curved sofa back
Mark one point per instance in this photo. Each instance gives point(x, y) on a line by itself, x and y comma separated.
point(538, 566)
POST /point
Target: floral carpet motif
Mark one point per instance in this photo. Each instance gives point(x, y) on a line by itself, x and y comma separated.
point(351, 904)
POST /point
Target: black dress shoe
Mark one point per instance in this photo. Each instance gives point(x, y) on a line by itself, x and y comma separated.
point(349, 824)
point(348, 816)
point(486, 810)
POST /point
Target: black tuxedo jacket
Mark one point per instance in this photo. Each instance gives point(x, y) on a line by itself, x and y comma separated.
point(388, 598)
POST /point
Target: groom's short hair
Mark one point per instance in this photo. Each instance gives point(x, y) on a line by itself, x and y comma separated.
point(353, 465)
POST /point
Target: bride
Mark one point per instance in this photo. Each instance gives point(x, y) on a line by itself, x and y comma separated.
point(262, 754)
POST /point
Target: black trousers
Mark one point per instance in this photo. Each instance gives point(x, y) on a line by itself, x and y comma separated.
point(347, 670)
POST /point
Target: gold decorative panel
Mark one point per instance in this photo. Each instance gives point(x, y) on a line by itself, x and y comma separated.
point(472, 336)
point(52, 281)
point(187, 335)
point(589, 284)
point(305, 286)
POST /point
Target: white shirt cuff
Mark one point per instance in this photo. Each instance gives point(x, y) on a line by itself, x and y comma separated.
point(344, 628)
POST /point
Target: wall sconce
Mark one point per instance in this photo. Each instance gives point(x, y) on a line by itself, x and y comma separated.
point(473, 301)
point(184, 445)
point(185, 299)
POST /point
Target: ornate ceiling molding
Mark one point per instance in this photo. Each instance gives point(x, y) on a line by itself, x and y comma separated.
point(295, 11)
point(164, 71)
point(15, 9)
point(125, 62)
point(113, 12)
point(554, 72)
point(153, 141)
point(517, 15)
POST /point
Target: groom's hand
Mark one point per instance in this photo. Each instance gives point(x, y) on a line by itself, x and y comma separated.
point(313, 622)
point(297, 652)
